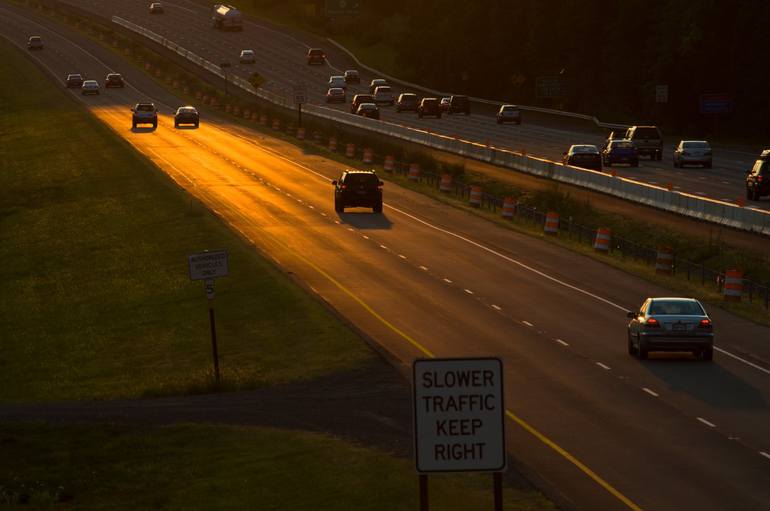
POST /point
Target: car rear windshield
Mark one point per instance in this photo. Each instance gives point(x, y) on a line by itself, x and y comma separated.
point(363, 98)
point(145, 108)
point(384, 88)
point(315, 52)
point(362, 179)
point(695, 145)
point(622, 144)
point(35, 39)
point(510, 109)
point(646, 133)
point(676, 308)
point(585, 149)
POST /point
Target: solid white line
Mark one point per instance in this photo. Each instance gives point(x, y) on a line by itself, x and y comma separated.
point(528, 323)
point(468, 291)
point(650, 392)
point(605, 367)
point(563, 343)
point(736, 357)
point(707, 423)
point(763, 453)
point(497, 308)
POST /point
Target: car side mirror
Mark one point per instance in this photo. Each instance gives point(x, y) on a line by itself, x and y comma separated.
point(334, 182)
point(631, 315)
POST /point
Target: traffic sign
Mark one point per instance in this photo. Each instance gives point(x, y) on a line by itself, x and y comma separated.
point(342, 7)
point(459, 415)
point(661, 93)
point(548, 87)
point(300, 93)
point(718, 103)
point(208, 265)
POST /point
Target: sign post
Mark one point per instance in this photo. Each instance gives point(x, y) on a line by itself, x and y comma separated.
point(300, 91)
point(225, 66)
point(459, 419)
point(207, 266)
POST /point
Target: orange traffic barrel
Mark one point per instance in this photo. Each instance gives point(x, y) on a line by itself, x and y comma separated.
point(733, 285)
point(301, 133)
point(602, 240)
point(367, 158)
point(276, 124)
point(332, 143)
point(414, 172)
point(228, 108)
point(664, 262)
point(551, 226)
point(509, 207)
point(445, 185)
point(350, 150)
point(263, 120)
point(475, 197)
point(390, 162)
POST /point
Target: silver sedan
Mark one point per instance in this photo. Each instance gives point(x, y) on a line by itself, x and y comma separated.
point(671, 324)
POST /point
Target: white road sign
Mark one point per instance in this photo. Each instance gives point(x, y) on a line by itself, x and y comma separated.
point(300, 93)
point(208, 265)
point(459, 415)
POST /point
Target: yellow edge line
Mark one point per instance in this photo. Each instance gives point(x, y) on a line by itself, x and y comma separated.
point(537, 434)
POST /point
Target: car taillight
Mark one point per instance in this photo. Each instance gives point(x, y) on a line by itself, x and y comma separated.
point(705, 323)
point(759, 178)
point(344, 187)
point(652, 322)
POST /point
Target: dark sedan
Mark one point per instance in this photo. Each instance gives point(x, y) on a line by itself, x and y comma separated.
point(114, 80)
point(671, 324)
point(186, 115)
point(620, 151)
point(369, 110)
point(583, 156)
point(74, 81)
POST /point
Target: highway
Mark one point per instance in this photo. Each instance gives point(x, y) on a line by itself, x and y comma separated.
point(281, 59)
point(602, 429)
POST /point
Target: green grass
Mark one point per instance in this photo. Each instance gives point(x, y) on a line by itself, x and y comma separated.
point(96, 298)
point(221, 467)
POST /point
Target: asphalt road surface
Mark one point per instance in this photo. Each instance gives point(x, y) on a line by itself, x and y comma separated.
point(281, 59)
point(605, 430)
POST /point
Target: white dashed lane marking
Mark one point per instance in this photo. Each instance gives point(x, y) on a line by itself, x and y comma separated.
point(468, 291)
point(650, 392)
point(423, 268)
point(528, 323)
point(563, 343)
point(497, 308)
point(707, 423)
point(383, 247)
point(402, 256)
point(447, 281)
point(605, 367)
point(763, 453)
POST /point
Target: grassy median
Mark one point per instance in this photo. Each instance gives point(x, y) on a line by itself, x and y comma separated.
point(97, 302)
point(220, 467)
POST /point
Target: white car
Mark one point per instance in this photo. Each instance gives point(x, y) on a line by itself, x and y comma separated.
point(376, 83)
point(384, 95)
point(337, 82)
point(247, 57)
point(693, 152)
point(90, 87)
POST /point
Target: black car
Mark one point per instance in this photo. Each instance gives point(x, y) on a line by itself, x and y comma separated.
point(186, 115)
point(114, 80)
point(407, 102)
point(352, 76)
point(614, 135)
point(358, 99)
point(758, 178)
point(459, 104)
point(74, 81)
point(316, 56)
point(156, 8)
point(358, 188)
point(370, 110)
point(35, 42)
point(429, 106)
point(583, 156)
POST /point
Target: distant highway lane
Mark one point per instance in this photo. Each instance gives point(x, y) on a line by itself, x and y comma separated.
point(426, 279)
point(281, 59)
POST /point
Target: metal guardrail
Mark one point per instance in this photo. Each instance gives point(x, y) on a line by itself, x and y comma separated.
point(718, 212)
point(549, 111)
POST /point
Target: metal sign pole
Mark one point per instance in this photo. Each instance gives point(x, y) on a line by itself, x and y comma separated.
point(423, 492)
point(212, 322)
point(497, 479)
point(299, 114)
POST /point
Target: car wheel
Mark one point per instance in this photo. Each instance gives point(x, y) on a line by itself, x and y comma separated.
point(338, 207)
point(659, 155)
point(155, 125)
point(707, 355)
point(176, 125)
point(642, 350)
point(197, 123)
point(631, 347)
point(635, 163)
point(419, 115)
point(377, 208)
point(133, 125)
point(707, 165)
point(499, 121)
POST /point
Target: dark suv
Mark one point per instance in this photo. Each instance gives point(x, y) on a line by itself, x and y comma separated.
point(459, 104)
point(647, 140)
point(360, 188)
point(407, 101)
point(758, 178)
point(429, 106)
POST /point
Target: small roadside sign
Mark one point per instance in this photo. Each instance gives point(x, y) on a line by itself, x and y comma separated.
point(548, 87)
point(208, 265)
point(300, 93)
point(661, 93)
point(459, 415)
